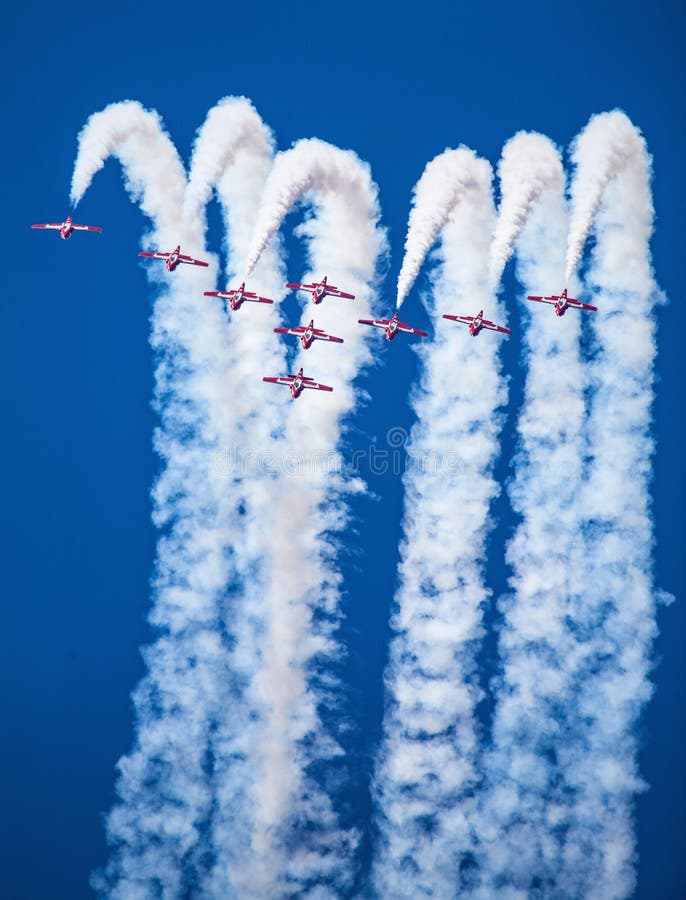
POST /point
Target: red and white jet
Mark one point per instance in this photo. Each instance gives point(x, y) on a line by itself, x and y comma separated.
point(237, 296)
point(393, 327)
point(173, 259)
point(562, 303)
point(67, 228)
point(320, 289)
point(476, 323)
point(297, 383)
point(308, 334)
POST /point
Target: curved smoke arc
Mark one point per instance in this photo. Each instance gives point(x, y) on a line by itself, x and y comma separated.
point(443, 184)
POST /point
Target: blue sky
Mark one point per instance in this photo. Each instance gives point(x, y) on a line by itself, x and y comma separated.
point(397, 86)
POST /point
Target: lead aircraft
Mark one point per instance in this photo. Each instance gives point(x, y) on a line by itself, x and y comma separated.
point(320, 289)
point(393, 327)
point(173, 259)
point(68, 227)
point(297, 383)
point(308, 334)
point(562, 302)
point(236, 296)
point(477, 322)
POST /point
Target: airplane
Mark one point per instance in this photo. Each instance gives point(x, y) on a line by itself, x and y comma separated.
point(562, 303)
point(308, 334)
point(297, 383)
point(320, 289)
point(68, 227)
point(393, 327)
point(476, 323)
point(237, 296)
point(172, 260)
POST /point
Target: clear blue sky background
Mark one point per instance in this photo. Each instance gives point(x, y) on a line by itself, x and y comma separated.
point(397, 85)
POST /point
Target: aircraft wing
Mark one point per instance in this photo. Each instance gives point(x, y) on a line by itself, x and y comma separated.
point(408, 329)
point(578, 305)
point(300, 287)
point(56, 225)
point(321, 335)
point(154, 254)
point(552, 299)
point(465, 320)
point(493, 327)
point(86, 227)
point(299, 330)
point(378, 323)
point(280, 379)
point(227, 295)
point(190, 261)
point(338, 293)
point(315, 386)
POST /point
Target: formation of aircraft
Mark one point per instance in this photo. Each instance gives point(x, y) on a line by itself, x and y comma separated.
point(320, 289)
point(562, 302)
point(393, 327)
point(173, 258)
point(477, 322)
point(235, 297)
point(297, 383)
point(68, 227)
point(308, 334)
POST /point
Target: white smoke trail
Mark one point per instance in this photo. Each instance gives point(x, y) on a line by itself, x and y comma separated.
point(608, 144)
point(529, 166)
point(155, 177)
point(298, 841)
point(162, 786)
point(429, 758)
point(556, 815)
point(522, 810)
point(233, 155)
point(618, 612)
point(167, 802)
point(443, 184)
point(288, 803)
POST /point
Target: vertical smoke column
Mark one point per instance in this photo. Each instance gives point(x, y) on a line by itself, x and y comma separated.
point(612, 177)
point(232, 157)
point(557, 816)
point(162, 791)
point(158, 827)
point(298, 841)
point(427, 770)
point(522, 809)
